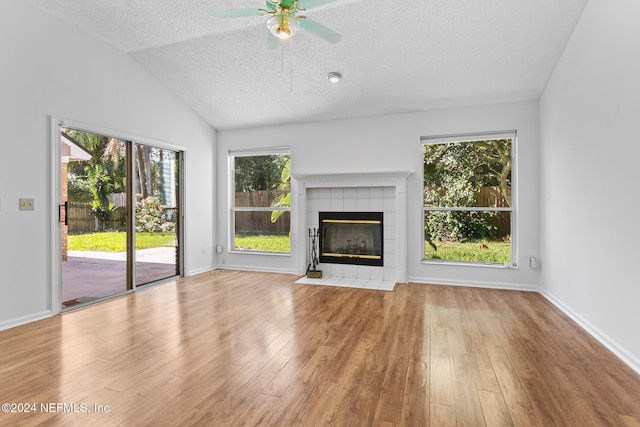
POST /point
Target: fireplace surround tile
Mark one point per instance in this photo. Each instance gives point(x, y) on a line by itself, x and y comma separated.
point(363, 205)
point(376, 273)
point(363, 193)
point(389, 247)
point(363, 272)
point(376, 193)
point(337, 205)
point(324, 193)
point(337, 270)
point(376, 205)
point(390, 217)
point(350, 205)
point(350, 271)
point(389, 204)
point(390, 260)
point(390, 273)
point(350, 193)
point(358, 192)
point(389, 192)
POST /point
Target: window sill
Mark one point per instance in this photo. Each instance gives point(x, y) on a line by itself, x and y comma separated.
point(248, 252)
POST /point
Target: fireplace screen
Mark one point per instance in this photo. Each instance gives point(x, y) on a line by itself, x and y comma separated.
point(351, 238)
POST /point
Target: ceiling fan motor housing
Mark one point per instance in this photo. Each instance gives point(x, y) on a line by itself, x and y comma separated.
point(283, 25)
point(285, 18)
point(284, 4)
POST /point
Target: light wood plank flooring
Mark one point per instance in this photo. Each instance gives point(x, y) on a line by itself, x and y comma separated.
point(237, 348)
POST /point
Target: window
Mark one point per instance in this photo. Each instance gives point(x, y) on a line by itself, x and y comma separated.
point(261, 201)
point(468, 198)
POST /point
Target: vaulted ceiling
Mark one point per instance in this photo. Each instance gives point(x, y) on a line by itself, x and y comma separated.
point(395, 57)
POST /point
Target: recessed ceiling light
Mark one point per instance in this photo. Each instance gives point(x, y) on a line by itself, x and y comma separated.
point(334, 77)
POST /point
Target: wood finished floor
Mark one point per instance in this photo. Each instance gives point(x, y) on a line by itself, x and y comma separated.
point(240, 348)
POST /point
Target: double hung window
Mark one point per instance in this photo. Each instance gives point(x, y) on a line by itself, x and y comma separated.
point(468, 198)
point(260, 201)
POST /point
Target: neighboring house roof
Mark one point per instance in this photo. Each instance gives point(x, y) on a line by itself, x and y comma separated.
point(71, 150)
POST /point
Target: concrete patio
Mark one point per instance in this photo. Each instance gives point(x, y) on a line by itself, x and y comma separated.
point(88, 275)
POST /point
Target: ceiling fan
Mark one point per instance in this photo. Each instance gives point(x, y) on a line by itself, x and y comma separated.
point(285, 19)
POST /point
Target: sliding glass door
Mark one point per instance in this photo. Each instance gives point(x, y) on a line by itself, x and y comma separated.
point(119, 215)
point(157, 214)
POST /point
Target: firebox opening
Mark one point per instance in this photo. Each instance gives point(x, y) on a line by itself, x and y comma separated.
point(351, 238)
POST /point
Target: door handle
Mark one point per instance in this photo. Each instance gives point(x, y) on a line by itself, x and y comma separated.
point(66, 210)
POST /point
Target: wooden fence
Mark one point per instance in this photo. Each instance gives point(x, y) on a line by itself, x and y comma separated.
point(118, 199)
point(492, 196)
point(81, 220)
point(260, 221)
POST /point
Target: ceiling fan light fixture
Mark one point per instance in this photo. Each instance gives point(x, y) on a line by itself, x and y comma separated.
point(334, 77)
point(283, 26)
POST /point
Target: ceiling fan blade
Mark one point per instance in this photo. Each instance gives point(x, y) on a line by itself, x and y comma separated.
point(271, 6)
point(308, 4)
point(236, 13)
point(325, 33)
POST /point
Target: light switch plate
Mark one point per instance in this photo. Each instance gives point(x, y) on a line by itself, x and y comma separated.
point(26, 204)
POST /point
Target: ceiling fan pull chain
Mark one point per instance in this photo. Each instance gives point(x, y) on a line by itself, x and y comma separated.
point(291, 67)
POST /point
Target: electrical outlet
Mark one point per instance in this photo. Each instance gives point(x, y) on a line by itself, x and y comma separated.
point(219, 249)
point(533, 263)
point(204, 250)
point(26, 204)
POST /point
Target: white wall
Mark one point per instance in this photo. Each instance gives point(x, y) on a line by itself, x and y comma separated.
point(589, 176)
point(392, 144)
point(51, 69)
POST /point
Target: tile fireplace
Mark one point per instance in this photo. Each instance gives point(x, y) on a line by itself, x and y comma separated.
point(381, 194)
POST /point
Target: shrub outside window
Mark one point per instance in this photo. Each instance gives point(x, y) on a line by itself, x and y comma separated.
point(468, 198)
point(261, 201)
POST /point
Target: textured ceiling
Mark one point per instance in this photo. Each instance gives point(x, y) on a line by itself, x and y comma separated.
point(420, 55)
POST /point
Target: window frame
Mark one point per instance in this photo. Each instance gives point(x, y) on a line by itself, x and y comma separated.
point(232, 154)
point(475, 137)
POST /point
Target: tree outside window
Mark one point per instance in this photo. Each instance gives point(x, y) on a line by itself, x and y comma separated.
point(468, 210)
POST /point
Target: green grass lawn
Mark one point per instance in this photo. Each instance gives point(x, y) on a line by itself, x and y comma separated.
point(473, 251)
point(262, 242)
point(116, 241)
point(478, 251)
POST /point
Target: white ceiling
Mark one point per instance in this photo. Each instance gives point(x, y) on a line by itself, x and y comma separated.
point(419, 55)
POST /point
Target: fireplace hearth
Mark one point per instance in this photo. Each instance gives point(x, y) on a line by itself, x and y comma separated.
point(351, 238)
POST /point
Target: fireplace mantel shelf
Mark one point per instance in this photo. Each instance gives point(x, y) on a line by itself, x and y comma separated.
point(355, 179)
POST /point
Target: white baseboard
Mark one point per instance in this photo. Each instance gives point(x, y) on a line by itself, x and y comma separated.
point(474, 284)
point(609, 343)
point(200, 270)
point(256, 269)
point(19, 321)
